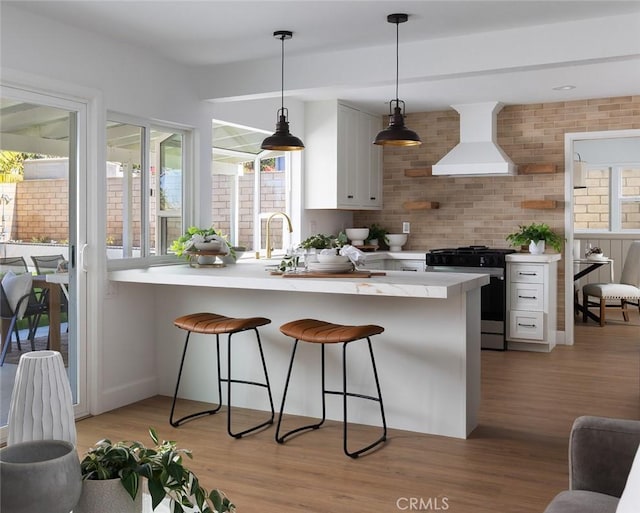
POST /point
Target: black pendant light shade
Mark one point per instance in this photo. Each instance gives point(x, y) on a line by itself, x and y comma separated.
point(396, 134)
point(282, 139)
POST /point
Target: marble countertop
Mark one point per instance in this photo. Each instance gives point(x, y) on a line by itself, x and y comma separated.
point(251, 274)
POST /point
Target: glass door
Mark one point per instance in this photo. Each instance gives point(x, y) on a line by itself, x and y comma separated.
point(42, 171)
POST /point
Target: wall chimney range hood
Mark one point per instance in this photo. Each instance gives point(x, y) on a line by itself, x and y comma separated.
point(477, 153)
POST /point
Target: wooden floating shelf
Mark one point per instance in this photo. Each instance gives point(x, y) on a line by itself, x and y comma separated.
point(539, 204)
point(418, 172)
point(421, 205)
point(536, 169)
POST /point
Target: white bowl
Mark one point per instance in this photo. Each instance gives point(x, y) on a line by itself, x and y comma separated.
point(332, 259)
point(357, 236)
point(396, 241)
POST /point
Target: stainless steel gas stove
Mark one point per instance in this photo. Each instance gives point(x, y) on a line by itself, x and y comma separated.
point(485, 260)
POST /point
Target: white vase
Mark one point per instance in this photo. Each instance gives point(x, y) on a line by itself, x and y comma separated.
point(41, 403)
point(107, 496)
point(537, 247)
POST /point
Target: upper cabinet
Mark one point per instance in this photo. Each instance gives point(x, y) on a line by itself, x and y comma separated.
point(343, 168)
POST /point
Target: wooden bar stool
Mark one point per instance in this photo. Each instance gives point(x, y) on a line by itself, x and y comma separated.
point(214, 324)
point(320, 332)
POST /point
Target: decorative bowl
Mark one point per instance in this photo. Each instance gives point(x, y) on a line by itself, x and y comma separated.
point(357, 236)
point(332, 259)
point(396, 241)
point(213, 245)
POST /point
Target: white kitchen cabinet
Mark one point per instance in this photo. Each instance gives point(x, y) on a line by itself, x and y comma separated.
point(343, 169)
point(531, 301)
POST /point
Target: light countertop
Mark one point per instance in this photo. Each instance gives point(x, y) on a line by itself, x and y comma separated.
point(251, 274)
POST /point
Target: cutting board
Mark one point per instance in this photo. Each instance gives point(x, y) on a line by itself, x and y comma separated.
point(354, 274)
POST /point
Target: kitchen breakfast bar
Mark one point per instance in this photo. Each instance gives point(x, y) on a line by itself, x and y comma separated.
point(428, 356)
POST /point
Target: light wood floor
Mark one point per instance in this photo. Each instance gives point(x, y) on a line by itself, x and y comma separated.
point(514, 462)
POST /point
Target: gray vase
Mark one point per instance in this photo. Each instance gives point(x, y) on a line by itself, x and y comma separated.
point(107, 496)
point(41, 475)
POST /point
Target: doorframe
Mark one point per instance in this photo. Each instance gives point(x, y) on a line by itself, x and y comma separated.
point(569, 139)
point(89, 105)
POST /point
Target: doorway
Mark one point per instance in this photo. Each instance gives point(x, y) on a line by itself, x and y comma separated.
point(43, 181)
point(603, 157)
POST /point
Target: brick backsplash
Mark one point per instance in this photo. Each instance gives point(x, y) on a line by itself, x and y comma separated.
point(484, 210)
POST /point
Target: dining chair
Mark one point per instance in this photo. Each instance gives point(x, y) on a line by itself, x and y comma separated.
point(627, 291)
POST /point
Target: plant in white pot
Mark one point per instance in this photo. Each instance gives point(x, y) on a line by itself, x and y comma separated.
point(536, 236)
point(117, 468)
point(208, 241)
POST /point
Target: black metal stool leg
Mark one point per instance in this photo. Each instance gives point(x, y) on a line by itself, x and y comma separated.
point(346, 395)
point(176, 423)
point(281, 439)
point(229, 381)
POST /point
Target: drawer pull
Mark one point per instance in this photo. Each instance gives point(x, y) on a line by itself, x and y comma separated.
point(527, 274)
point(527, 297)
point(527, 325)
point(350, 196)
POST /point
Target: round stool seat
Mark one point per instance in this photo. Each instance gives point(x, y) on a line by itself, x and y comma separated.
point(213, 324)
point(321, 332)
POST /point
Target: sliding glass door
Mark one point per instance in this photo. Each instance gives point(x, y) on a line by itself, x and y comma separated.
point(43, 166)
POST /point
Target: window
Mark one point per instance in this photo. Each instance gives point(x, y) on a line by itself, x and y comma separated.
point(610, 202)
point(243, 199)
point(145, 188)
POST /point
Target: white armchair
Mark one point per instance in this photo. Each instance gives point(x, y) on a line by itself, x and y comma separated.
point(628, 290)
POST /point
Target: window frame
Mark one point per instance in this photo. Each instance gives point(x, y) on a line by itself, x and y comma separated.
point(188, 177)
point(616, 200)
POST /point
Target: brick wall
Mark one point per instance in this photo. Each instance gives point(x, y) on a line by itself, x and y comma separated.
point(272, 199)
point(41, 211)
point(484, 210)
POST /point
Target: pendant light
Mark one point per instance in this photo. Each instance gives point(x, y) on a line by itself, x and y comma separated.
point(396, 134)
point(282, 139)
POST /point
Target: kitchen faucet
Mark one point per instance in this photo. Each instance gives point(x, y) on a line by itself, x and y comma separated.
point(269, 229)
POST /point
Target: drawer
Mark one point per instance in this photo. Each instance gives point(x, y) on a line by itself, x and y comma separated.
point(526, 325)
point(526, 273)
point(527, 296)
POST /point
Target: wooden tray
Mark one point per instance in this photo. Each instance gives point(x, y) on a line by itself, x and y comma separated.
point(353, 274)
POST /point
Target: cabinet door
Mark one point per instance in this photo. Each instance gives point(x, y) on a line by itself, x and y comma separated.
point(370, 168)
point(348, 156)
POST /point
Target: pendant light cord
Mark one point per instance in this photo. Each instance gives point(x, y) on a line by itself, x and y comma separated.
point(397, 58)
point(282, 75)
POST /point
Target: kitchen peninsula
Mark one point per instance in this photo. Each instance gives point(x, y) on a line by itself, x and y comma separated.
point(428, 357)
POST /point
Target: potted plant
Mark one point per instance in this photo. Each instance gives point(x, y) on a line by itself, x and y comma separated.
point(202, 239)
point(536, 236)
point(322, 241)
point(377, 235)
point(162, 465)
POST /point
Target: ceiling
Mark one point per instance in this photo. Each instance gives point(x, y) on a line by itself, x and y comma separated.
point(233, 36)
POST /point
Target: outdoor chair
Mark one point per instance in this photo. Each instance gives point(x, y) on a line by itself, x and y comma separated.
point(47, 263)
point(17, 301)
point(50, 264)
